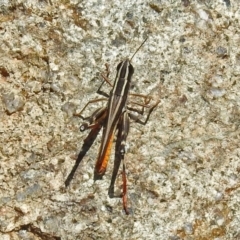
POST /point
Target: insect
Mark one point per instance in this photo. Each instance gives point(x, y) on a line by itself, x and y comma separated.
point(115, 117)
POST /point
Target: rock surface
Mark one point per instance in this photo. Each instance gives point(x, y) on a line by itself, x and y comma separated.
point(183, 165)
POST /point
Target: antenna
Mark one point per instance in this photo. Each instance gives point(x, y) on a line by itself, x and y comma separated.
point(138, 49)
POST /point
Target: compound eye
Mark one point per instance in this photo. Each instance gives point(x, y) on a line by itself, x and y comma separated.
point(119, 65)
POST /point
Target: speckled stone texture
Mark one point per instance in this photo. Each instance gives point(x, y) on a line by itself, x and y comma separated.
point(182, 166)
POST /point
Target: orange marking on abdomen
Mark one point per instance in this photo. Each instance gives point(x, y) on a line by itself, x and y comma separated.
point(102, 161)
